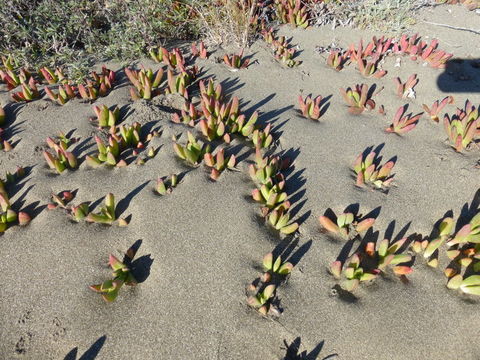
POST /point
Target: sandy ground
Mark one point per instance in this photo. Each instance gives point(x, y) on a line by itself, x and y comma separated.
point(201, 245)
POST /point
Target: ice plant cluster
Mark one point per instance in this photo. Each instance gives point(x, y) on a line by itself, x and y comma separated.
point(236, 61)
point(97, 85)
point(199, 50)
point(405, 90)
point(282, 50)
point(107, 212)
point(65, 93)
point(267, 174)
point(358, 98)
point(28, 93)
point(369, 261)
point(311, 108)
point(166, 184)
point(402, 122)
point(463, 127)
point(261, 293)
point(59, 158)
point(436, 107)
point(121, 276)
point(120, 138)
point(193, 151)
point(173, 59)
point(292, 12)
point(348, 225)
point(146, 83)
point(106, 117)
point(369, 56)
point(368, 170)
point(218, 163)
point(8, 216)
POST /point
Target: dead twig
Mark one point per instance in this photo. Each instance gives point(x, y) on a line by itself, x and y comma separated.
point(454, 27)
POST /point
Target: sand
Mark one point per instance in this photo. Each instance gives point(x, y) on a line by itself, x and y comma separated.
point(203, 244)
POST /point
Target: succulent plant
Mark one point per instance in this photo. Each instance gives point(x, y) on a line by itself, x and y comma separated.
point(121, 275)
point(172, 58)
point(210, 91)
point(61, 158)
point(7, 214)
point(199, 50)
point(369, 170)
point(29, 92)
point(276, 267)
point(266, 171)
point(165, 184)
point(130, 135)
point(52, 77)
point(238, 124)
point(280, 220)
point(106, 117)
point(353, 273)
point(236, 61)
point(468, 285)
point(97, 85)
point(193, 151)
point(388, 254)
point(107, 212)
point(346, 225)
point(107, 154)
point(292, 12)
point(469, 233)
point(218, 163)
point(271, 196)
point(336, 60)
point(262, 298)
point(462, 128)
point(189, 115)
point(405, 90)
point(65, 93)
point(370, 68)
point(60, 200)
point(178, 84)
point(88, 92)
point(429, 247)
point(9, 77)
point(358, 98)
point(403, 123)
point(262, 138)
point(309, 107)
point(437, 106)
point(145, 83)
point(284, 54)
point(80, 211)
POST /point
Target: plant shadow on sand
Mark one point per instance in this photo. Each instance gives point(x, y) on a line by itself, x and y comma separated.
point(90, 354)
point(140, 267)
point(293, 351)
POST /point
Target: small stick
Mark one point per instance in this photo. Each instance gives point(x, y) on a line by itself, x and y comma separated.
point(454, 27)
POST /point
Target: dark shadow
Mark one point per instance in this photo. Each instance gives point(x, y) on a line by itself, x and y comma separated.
point(230, 85)
point(90, 354)
point(34, 209)
point(140, 267)
point(294, 353)
point(468, 212)
point(125, 202)
point(81, 147)
point(460, 76)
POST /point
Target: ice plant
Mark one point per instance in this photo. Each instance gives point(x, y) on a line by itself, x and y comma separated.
point(292, 12)
point(468, 233)
point(189, 114)
point(370, 68)
point(468, 285)
point(336, 60)
point(145, 83)
point(310, 108)
point(262, 138)
point(369, 171)
point(61, 158)
point(403, 123)
point(192, 152)
point(129, 135)
point(346, 225)
point(97, 85)
point(210, 91)
point(239, 124)
point(436, 107)
point(389, 254)
point(107, 212)
point(2, 116)
point(277, 266)
point(463, 126)
point(218, 163)
point(430, 246)
point(172, 58)
point(29, 92)
point(358, 98)
point(270, 195)
point(165, 184)
point(405, 90)
point(65, 93)
point(52, 77)
point(261, 299)
point(121, 275)
point(9, 77)
point(178, 84)
point(199, 50)
point(79, 212)
point(280, 220)
point(107, 154)
point(106, 117)
point(236, 61)
point(60, 200)
point(353, 273)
